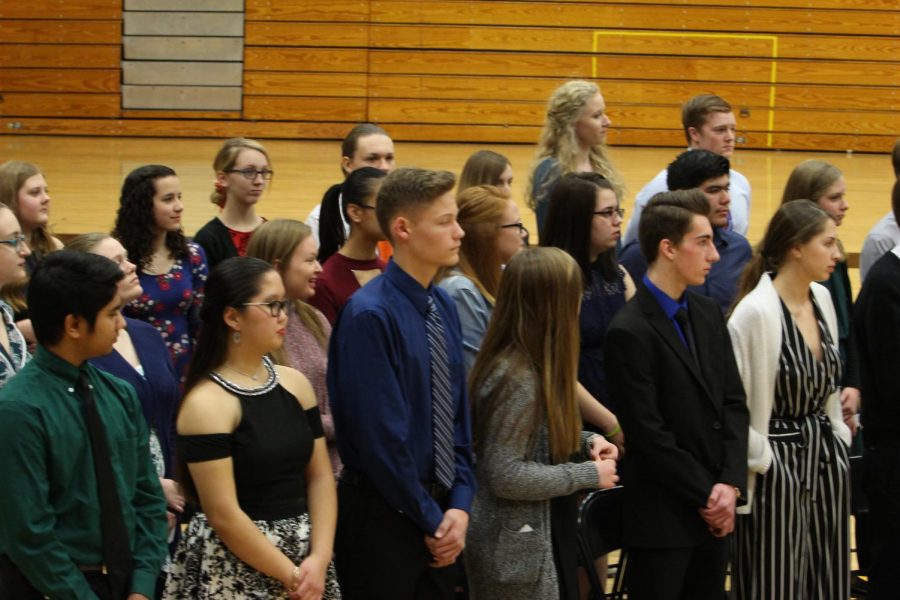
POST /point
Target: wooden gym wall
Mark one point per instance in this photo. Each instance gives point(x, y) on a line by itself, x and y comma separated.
point(801, 74)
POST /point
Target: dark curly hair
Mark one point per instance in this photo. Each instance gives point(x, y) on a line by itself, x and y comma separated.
point(135, 225)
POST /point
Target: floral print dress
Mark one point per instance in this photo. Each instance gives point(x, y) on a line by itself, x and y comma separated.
point(171, 302)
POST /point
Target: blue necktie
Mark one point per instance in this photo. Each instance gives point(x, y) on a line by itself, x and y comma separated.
point(441, 399)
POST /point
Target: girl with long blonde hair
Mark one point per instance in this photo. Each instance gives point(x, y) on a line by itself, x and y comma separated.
point(573, 140)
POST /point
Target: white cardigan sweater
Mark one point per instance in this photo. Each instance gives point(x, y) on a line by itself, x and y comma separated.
point(755, 328)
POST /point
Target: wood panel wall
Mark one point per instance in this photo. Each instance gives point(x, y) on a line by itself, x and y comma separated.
point(801, 74)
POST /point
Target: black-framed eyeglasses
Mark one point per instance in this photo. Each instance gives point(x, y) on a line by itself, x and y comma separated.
point(276, 307)
point(15, 242)
point(608, 213)
point(251, 173)
point(523, 231)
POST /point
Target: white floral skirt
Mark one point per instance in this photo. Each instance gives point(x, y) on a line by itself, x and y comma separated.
point(203, 567)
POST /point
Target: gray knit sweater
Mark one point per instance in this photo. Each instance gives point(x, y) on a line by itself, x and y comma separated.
point(509, 553)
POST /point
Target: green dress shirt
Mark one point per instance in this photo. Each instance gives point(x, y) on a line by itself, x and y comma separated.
point(49, 505)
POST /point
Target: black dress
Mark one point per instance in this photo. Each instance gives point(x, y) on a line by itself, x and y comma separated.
point(270, 449)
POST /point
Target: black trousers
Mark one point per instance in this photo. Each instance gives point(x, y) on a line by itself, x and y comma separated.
point(14, 585)
point(380, 554)
point(696, 573)
point(881, 481)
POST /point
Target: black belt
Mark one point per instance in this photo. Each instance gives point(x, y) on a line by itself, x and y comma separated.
point(361, 481)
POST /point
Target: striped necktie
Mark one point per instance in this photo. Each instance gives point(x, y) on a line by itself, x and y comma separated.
point(441, 399)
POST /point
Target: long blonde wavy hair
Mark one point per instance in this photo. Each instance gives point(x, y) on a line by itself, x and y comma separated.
point(558, 139)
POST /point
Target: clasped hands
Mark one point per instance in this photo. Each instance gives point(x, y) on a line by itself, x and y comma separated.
point(604, 454)
point(719, 510)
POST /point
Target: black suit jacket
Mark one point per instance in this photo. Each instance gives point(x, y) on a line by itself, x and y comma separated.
point(685, 425)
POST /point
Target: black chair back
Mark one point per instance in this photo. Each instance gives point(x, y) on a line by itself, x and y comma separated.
point(599, 533)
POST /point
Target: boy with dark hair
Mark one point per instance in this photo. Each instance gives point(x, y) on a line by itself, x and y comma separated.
point(396, 383)
point(708, 172)
point(682, 408)
point(83, 513)
point(709, 124)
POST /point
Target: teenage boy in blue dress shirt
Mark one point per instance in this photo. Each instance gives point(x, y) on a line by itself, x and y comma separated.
point(51, 504)
point(399, 528)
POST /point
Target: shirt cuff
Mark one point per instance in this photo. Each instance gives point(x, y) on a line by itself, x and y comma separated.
point(144, 582)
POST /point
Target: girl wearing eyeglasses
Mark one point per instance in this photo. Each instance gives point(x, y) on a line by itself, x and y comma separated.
point(14, 252)
point(140, 358)
point(494, 234)
point(584, 219)
point(242, 173)
point(172, 271)
point(349, 263)
point(250, 436)
point(290, 247)
point(23, 189)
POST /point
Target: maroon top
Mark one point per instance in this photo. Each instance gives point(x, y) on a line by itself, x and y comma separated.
point(337, 283)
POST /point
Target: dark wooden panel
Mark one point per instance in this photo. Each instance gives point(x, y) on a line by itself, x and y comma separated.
point(306, 34)
point(61, 9)
point(59, 105)
point(305, 60)
point(636, 16)
point(61, 32)
point(268, 83)
point(343, 11)
point(48, 55)
point(291, 108)
point(55, 80)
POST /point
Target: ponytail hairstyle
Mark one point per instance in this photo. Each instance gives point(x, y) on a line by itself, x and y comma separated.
point(135, 224)
point(359, 186)
point(794, 224)
point(225, 160)
point(480, 214)
point(233, 282)
point(351, 141)
point(533, 331)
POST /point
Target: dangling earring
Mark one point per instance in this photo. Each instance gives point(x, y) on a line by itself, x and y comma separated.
point(236, 337)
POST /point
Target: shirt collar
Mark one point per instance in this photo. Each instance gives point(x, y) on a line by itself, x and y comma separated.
point(669, 305)
point(62, 368)
point(410, 288)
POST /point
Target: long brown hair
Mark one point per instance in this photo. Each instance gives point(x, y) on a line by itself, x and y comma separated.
point(534, 328)
point(274, 242)
point(480, 212)
point(794, 224)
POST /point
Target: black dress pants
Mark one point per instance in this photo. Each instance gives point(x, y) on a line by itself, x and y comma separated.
point(695, 573)
point(380, 554)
